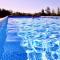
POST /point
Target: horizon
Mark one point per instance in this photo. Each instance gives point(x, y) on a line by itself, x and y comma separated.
point(29, 6)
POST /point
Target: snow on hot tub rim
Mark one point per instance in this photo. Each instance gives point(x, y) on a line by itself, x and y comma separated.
point(1, 19)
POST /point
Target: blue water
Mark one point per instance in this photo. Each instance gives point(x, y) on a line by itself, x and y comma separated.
point(26, 38)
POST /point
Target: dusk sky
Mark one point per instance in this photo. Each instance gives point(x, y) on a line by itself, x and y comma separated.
point(27, 6)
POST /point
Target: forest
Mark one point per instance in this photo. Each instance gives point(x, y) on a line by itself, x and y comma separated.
point(46, 12)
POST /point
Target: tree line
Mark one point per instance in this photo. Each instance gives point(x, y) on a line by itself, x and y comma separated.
point(46, 12)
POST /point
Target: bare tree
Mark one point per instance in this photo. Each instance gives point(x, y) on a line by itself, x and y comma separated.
point(53, 12)
point(58, 11)
point(48, 11)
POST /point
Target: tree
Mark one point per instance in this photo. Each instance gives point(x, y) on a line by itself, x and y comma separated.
point(43, 12)
point(58, 11)
point(48, 11)
point(53, 12)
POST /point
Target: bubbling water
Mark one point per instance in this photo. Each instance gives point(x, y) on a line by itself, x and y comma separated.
point(38, 34)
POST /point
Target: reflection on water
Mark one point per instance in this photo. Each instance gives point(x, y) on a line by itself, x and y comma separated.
point(32, 39)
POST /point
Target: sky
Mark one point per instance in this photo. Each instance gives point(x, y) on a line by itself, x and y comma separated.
point(29, 6)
